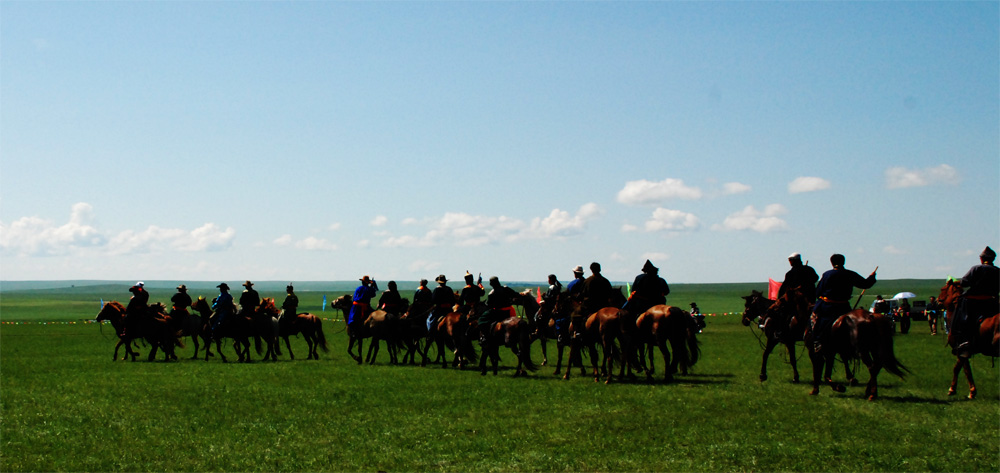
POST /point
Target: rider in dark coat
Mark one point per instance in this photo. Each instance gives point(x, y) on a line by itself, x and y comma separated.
point(443, 299)
point(361, 302)
point(648, 290)
point(596, 291)
point(499, 304)
point(138, 304)
point(834, 293)
point(471, 296)
point(249, 300)
point(391, 301)
point(223, 305)
point(980, 300)
point(801, 276)
point(288, 307)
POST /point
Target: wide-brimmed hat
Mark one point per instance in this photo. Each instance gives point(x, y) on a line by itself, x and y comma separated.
point(365, 279)
point(182, 288)
point(223, 286)
point(441, 279)
point(248, 284)
point(140, 283)
point(578, 269)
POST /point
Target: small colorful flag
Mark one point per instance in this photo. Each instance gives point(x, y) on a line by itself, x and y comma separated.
point(324, 302)
point(539, 291)
point(102, 302)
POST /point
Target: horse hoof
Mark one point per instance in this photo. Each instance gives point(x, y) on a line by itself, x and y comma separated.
point(972, 394)
point(951, 391)
point(853, 381)
point(872, 397)
point(838, 388)
point(814, 391)
point(763, 378)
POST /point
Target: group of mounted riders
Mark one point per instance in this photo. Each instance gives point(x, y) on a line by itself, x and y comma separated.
point(818, 311)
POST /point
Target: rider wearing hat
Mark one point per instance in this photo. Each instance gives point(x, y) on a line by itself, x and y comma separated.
point(223, 305)
point(801, 276)
point(138, 304)
point(180, 301)
point(442, 298)
point(249, 300)
point(471, 296)
point(575, 287)
point(289, 306)
point(648, 290)
point(362, 302)
point(981, 300)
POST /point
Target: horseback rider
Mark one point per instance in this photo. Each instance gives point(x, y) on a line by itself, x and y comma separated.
point(834, 298)
point(575, 287)
point(470, 299)
point(801, 276)
point(180, 301)
point(138, 304)
point(596, 291)
point(288, 307)
point(980, 300)
point(361, 305)
point(421, 299)
point(699, 318)
point(391, 301)
point(648, 289)
point(442, 299)
point(249, 300)
point(499, 306)
point(223, 306)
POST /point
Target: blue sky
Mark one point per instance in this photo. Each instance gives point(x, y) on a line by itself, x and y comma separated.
point(328, 140)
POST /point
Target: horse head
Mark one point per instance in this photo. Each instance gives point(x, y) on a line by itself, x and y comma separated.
point(201, 306)
point(112, 311)
point(267, 307)
point(950, 292)
point(755, 305)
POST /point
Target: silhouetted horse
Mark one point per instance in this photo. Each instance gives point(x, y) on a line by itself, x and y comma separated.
point(785, 321)
point(413, 332)
point(858, 334)
point(383, 326)
point(662, 323)
point(236, 326)
point(545, 329)
point(192, 325)
point(152, 327)
point(986, 340)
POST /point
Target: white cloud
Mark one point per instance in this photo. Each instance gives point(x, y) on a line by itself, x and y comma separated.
point(283, 240)
point(208, 237)
point(643, 192)
point(900, 177)
point(628, 227)
point(731, 188)
point(313, 243)
point(892, 250)
point(380, 220)
point(808, 184)
point(671, 220)
point(462, 229)
point(33, 236)
point(752, 219)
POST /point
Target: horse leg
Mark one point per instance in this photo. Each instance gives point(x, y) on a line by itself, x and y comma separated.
point(771, 343)
point(668, 369)
point(372, 351)
point(794, 362)
point(545, 357)
point(817, 365)
point(968, 375)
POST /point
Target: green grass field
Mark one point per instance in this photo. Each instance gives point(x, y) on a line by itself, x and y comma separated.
point(66, 406)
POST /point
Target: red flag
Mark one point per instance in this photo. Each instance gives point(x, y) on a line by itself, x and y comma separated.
point(539, 289)
point(772, 289)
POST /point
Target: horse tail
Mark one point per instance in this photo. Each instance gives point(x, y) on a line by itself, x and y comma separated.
point(884, 332)
point(257, 344)
point(320, 336)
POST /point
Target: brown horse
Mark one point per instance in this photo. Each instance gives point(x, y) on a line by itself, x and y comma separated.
point(452, 332)
point(153, 328)
point(610, 326)
point(306, 324)
point(383, 326)
point(192, 325)
point(858, 334)
point(986, 340)
point(237, 327)
point(662, 323)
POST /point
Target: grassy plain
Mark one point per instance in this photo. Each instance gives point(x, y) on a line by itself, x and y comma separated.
point(65, 406)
